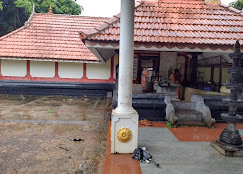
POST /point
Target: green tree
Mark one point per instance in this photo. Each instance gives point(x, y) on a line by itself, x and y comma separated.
point(58, 6)
point(1, 7)
point(11, 17)
point(237, 4)
point(14, 13)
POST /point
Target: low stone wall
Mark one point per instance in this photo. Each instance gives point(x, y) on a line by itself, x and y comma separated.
point(55, 88)
point(152, 106)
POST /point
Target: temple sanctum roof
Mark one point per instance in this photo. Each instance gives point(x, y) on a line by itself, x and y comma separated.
point(50, 36)
point(193, 24)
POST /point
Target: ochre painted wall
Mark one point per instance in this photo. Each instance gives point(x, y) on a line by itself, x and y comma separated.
point(188, 92)
point(206, 73)
point(225, 75)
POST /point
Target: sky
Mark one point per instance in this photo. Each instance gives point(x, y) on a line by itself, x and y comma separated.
point(108, 8)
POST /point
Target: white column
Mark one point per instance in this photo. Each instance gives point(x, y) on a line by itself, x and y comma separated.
point(124, 121)
point(126, 55)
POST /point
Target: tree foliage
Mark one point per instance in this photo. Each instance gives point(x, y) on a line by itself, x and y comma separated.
point(11, 17)
point(1, 6)
point(237, 4)
point(14, 13)
point(58, 6)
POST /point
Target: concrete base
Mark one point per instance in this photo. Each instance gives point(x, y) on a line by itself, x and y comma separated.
point(124, 124)
point(183, 157)
point(237, 152)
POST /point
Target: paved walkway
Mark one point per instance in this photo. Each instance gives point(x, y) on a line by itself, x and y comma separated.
point(178, 157)
point(183, 150)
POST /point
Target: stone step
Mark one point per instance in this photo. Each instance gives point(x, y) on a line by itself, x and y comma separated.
point(188, 115)
point(181, 105)
point(190, 123)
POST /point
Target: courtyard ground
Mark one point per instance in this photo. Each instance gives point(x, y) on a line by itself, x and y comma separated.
point(184, 150)
point(53, 134)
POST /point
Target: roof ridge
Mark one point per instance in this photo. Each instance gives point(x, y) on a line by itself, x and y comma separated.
point(26, 25)
point(71, 15)
point(112, 20)
point(232, 9)
point(28, 22)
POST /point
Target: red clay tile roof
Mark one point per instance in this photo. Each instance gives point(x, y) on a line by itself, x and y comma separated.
point(177, 23)
point(50, 36)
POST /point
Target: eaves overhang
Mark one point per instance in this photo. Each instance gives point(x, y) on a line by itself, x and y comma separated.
point(49, 59)
point(91, 44)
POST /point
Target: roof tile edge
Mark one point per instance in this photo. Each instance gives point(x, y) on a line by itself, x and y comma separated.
point(13, 32)
point(50, 59)
point(106, 24)
point(228, 7)
point(28, 22)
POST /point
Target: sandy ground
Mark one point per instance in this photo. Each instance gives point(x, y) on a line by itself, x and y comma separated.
point(37, 134)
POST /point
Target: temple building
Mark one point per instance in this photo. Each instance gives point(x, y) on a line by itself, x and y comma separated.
point(46, 56)
point(194, 36)
point(65, 54)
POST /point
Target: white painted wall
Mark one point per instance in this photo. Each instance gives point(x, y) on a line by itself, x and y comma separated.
point(42, 69)
point(116, 59)
point(70, 70)
point(99, 71)
point(14, 68)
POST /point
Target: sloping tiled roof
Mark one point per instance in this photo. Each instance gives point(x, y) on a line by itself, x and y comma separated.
point(50, 36)
point(176, 23)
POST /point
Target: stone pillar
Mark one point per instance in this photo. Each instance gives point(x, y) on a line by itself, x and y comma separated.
point(231, 135)
point(230, 142)
point(194, 69)
point(124, 120)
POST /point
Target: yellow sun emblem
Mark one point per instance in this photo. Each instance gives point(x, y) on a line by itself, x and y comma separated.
point(124, 135)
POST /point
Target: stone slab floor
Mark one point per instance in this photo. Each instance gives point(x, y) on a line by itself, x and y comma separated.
point(37, 133)
point(179, 157)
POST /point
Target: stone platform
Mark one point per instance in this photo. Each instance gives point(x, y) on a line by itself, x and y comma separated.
point(151, 106)
point(236, 152)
